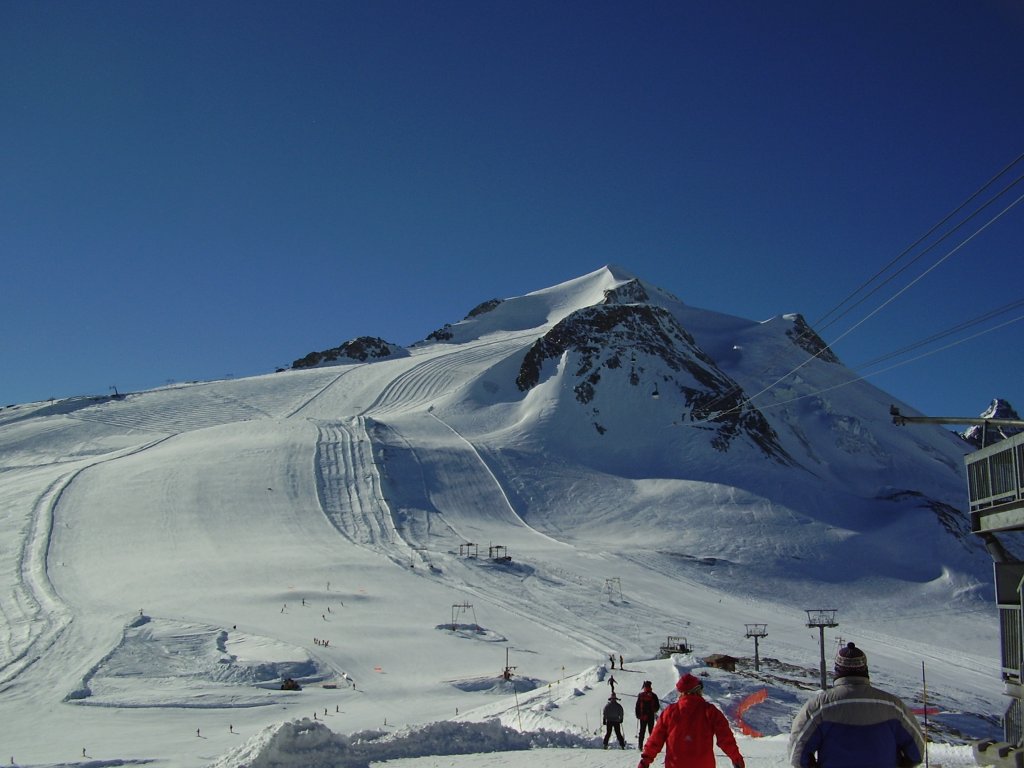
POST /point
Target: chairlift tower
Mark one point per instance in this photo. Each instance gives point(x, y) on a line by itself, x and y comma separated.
point(821, 618)
point(460, 608)
point(757, 631)
point(612, 587)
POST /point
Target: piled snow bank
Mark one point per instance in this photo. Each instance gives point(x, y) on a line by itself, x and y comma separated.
point(309, 744)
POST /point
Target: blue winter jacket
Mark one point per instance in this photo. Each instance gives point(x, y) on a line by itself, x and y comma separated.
point(853, 725)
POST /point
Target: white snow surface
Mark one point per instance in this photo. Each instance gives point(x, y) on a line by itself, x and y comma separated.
point(170, 557)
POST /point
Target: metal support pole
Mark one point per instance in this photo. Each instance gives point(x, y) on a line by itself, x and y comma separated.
point(821, 618)
point(757, 631)
point(821, 641)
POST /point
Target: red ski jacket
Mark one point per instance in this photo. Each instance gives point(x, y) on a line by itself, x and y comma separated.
point(688, 730)
point(647, 705)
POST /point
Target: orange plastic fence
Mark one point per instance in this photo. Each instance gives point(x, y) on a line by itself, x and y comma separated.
point(755, 698)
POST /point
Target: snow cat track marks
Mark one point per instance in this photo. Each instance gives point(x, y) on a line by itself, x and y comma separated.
point(323, 389)
point(170, 412)
point(358, 510)
point(434, 377)
point(346, 505)
point(44, 614)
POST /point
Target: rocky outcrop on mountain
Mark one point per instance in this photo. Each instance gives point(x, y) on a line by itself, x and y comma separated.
point(628, 293)
point(602, 338)
point(444, 333)
point(979, 435)
point(804, 337)
point(357, 350)
point(483, 307)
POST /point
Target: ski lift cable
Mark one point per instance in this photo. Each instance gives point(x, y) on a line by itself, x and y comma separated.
point(930, 269)
point(962, 326)
point(880, 307)
point(865, 376)
point(923, 237)
point(820, 325)
point(916, 258)
point(813, 330)
point(737, 388)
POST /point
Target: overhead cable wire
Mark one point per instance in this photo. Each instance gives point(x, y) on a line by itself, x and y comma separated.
point(930, 269)
point(875, 311)
point(940, 335)
point(927, 250)
point(865, 376)
point(922, 238)
point(815, 329)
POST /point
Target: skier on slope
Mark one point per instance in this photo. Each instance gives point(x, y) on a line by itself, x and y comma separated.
point(647, 707)
point(612, 718)
point(689, 729)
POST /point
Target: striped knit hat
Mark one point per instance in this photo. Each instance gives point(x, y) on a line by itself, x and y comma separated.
point(851, 661)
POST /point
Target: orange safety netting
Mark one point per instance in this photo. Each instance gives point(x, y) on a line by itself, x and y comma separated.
point(755, 698)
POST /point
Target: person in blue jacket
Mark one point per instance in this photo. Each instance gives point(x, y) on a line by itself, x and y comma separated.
point(855, 725)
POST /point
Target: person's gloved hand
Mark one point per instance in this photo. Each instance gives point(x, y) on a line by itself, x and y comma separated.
point(737, 763)
point(644, 762)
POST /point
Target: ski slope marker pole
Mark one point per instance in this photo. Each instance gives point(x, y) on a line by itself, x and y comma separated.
point(924, 685)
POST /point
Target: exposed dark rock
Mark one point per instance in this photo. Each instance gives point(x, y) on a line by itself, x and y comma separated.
point(804, 337)
point(952, 519)
point(599, 337)
point(361, 349)
point(441, 334)
point(627, 293)
point(483, 308)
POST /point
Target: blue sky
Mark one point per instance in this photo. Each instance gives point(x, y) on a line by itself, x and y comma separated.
point(191, 190)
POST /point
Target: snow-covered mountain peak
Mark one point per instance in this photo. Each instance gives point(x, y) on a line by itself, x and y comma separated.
point(536, 310)
point(997, 409)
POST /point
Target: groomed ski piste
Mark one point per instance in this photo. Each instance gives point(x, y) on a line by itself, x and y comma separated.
point(390, 536)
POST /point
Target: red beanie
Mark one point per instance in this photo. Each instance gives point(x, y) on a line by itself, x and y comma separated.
point(688, 684)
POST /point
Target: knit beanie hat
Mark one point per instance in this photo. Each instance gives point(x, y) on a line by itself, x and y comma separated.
point(688, 684)
point(851, 661)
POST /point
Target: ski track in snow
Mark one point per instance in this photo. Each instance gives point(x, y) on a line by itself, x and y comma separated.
point(34, 603)
point(418, 386)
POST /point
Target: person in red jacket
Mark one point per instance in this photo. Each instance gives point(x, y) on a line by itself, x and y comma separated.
point(689, 730)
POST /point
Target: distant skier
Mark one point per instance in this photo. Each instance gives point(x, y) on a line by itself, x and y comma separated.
point(612, 718)
point(647, 707)
point(611, 658)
